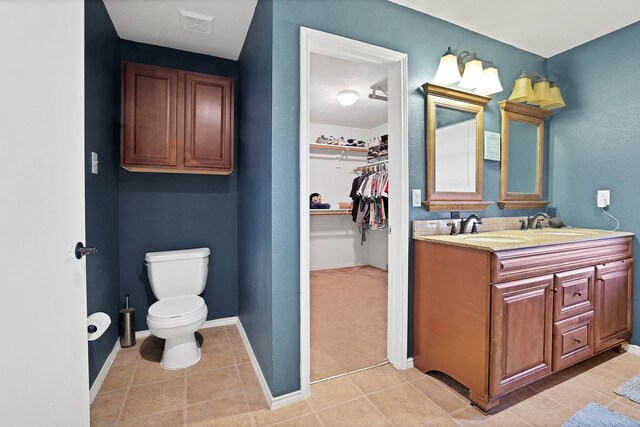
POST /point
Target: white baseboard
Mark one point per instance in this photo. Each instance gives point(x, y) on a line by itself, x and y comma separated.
point(95, 387)
point(409, 362)
point(633, 349)
point(273, 402)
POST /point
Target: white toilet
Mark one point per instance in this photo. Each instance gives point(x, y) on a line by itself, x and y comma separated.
point(177, 278)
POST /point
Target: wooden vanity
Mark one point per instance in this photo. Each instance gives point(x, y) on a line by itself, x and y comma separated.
point(498, 315)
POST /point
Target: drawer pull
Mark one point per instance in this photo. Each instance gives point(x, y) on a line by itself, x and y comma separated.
point(554, 290)
point(577, 340)
point(578, 293)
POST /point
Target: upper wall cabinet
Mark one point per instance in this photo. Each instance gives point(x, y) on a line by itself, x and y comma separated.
point(175, 121)
point(454, 149)
point(522, 156)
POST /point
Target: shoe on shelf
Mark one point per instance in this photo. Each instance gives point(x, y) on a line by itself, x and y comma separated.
point(341, 141)
point(321, 140)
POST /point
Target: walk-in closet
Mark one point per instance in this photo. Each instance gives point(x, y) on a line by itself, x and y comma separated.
point(349, 179)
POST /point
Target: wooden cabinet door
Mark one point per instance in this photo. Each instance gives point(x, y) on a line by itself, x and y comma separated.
point(521, 333)
point(149, 115)
point(208, 126)
point(612, 317)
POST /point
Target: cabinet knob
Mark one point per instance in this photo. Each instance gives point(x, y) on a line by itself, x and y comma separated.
point(578, 293)
point(577, 340)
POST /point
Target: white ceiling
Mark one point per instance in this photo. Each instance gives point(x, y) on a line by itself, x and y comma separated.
point(157, 22)
point(544, 27)
point(328, 76)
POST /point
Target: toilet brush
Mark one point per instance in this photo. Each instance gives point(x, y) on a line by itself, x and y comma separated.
point(127, 324)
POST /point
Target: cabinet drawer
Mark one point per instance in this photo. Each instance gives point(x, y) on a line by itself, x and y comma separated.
point(573, 293)
point(572, 340)
point(540, 260)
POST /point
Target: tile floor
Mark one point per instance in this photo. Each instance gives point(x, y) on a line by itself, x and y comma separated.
point(222, 390)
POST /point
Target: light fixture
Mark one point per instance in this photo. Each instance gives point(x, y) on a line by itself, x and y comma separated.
point(466, 68)
point(544, 93)
point(347, 97)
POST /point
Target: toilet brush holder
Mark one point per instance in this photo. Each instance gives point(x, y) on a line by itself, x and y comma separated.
point(127, 325)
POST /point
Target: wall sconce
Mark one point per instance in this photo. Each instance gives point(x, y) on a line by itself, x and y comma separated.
point(347, 97)
point(545, 94)
point(470, 74)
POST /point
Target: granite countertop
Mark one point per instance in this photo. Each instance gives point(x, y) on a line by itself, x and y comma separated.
point(516, 239)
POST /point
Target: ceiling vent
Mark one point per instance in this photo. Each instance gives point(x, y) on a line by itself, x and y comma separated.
point(196, 22)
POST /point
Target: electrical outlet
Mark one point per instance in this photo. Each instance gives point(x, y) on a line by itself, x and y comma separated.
point(416, 202)
point(603, 198)
point(455, 215)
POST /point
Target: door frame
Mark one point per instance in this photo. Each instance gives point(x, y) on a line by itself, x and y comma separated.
point(314, 41)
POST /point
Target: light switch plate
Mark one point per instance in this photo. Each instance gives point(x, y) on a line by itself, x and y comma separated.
point(416, 196)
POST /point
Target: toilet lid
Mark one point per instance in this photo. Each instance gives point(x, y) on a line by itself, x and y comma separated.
point(180, 306)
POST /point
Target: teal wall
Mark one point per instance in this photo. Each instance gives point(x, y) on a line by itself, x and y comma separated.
point(594, 140)
point(276, 24)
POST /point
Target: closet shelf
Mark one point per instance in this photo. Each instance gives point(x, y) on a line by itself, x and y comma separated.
point(314, 212)
point(339, 148)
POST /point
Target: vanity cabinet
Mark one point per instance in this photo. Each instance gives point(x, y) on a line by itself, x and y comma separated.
point(176, 121)
point(496, 321)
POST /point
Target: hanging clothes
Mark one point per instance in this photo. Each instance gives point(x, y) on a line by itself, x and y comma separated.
point(370, 195)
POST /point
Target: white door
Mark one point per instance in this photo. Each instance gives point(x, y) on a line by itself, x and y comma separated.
point(43, 340)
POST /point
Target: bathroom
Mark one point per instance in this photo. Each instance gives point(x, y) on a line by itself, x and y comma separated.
point(250, 219)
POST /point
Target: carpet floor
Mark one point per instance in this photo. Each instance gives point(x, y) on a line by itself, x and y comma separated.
point(348, 320)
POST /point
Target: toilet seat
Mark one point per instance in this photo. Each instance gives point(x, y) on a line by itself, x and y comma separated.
point(177, 310)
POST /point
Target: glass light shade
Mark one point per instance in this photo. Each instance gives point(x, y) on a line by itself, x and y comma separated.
point(541, 93)
point(347, 97)
point(490, 82)
point(557, 102)
point(521, 90)
point(472, 76)
point(448, 71)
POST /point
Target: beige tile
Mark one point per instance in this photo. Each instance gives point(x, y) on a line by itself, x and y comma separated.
point(147, 399)
point(599, 379)
point(601, 358)
point(119, 377)
point(514, 398)
point(332, 392)
point(411, 374)
point(549, 382)
point(442, 395)
point(626, 407)
point(163, 419)
point(240, 354)
point(443, 422)
point(234, 335)
point(228, 411)
point(309, 420)
point(248, 377)
point(213, 385)
point(376, 379)
point(214, 338)
point(472, 416)
point(106, 408)
point(268, 416)
point(358, 412)
point(404, 405)
point(147, 372)
point(151, 348)
point(127, 355)
point(256, 400)
point(212, 359)
point(625, 365)
point(541, 411)
point(573, 396)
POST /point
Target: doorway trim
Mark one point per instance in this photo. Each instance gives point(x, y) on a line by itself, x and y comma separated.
point(314, 41)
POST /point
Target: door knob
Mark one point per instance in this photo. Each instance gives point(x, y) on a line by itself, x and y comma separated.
point(81, 250)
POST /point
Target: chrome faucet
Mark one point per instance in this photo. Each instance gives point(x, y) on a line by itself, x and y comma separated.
point(465, 222)
point(535, 221)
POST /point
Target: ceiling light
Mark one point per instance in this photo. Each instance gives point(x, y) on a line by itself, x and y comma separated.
point(466, 68)
point(347, 97)
point(544, 93)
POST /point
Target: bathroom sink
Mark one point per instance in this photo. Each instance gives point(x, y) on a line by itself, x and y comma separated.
point(495, 239)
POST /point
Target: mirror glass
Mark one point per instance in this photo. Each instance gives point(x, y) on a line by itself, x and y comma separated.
point(523, 157)
point(455, 151)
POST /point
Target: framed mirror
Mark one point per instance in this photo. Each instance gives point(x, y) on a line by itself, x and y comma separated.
point(454, 149)
point(522, 156)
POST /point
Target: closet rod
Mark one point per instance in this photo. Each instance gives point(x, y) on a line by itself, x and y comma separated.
point(368, 165)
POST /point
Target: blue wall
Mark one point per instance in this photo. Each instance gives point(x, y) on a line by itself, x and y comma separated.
point(254, 184)
point(594, 140)
point(102, 125)
point(160, 212)
point(373, 21)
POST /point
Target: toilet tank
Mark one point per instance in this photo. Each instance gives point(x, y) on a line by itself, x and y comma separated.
point(176, 273)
